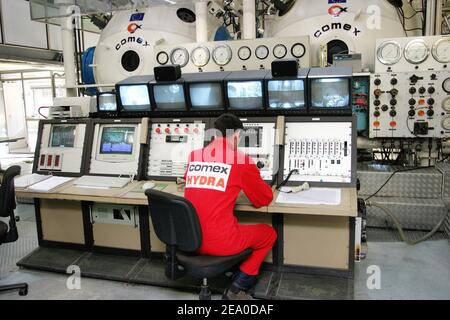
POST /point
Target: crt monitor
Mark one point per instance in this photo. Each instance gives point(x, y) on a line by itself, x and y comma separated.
point(134, 97)
point(245, 90)
point(330, 89)
point(62, 136)
point(116, 142)
point(169, 96)
point(286, 94)
point(206, 96)
point(106, 102)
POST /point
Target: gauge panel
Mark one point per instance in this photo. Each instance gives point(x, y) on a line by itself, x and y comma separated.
point(441, 50)
point(222, 55)
point(200, 56)
point(298, 50)
point(244, 53)
point(162, 57)
point(416, 51)
point(279, 51)
point(179, 56)
point(262, 52)
point(389, 52)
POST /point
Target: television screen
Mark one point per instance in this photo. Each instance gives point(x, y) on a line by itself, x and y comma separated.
point(286, 94)
point(206, 96)
point(107, 102)
point(330, 93)
point(117, 140)
point(245, 95)
point(62, 136)
point(251, 137)
point(169, 96)
point(134, 97)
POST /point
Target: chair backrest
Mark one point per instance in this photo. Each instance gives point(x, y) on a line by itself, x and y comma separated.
point(7, 194)
point(175, 220)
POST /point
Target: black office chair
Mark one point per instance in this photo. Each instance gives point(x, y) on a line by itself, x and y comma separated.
point(176, 224)
point(7, 206)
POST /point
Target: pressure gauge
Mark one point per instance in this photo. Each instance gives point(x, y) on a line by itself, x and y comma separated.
point(389, 52)
point(200, 56)
point(244, 53)
point(416, 51)
point(298, 50)
point(446, 104)
point(179, 56)
point(162, 57)
point(446, 123)
point(446, 85)
point(441, 50)
point(261, 52)
point(222, 54)
point(279, 51)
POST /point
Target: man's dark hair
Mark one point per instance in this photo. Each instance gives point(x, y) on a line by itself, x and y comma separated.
point(227, 124)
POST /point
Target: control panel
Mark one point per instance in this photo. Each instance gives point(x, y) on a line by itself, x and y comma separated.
point(258, 142)
point(320, 152)
point(115, 214)
point(60, 148)
point(234, 55)
point(360, 100)
point(171, 142)
point(410, 105)
point(412, 54)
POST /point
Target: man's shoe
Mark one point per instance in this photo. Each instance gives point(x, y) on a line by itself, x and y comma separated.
point(240, 295)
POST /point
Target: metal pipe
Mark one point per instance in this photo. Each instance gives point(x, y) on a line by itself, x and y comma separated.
point(201, 21)
point(249, 17)
point(430, 22)
point(68, 45)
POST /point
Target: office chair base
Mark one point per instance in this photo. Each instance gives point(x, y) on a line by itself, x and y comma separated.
point(22, 287)
point(205, 293)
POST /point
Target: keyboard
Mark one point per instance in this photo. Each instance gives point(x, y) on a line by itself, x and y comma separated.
point(102, 182)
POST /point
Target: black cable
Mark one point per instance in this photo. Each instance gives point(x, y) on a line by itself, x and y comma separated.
point(390, 177)
point(283, 183)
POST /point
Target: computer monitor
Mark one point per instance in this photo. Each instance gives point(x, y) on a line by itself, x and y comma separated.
point(62, 136)
point(330, 90)
point(245, 90)
point(116, 142)
point(106, 102)
point(286, 94)
point(206, 96)
point(133, 94)
point(169, 96)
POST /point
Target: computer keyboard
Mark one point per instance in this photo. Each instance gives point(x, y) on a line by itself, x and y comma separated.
point(102, 182)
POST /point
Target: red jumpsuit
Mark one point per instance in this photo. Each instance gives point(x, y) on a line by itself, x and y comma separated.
point(214, 177)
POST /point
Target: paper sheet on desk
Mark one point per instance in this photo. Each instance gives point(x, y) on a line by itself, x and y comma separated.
point(314, 196)
point(49, 184)
point(29, 179)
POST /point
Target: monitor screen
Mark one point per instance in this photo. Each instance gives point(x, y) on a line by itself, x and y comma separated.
point(330, 93)
point(107, 102)
point(169, 96)
point(117, 140)
point(206, 96)
point(134, 97)
point(286, 94)
point(245, 95)
point(62, 136)
point(251, 137)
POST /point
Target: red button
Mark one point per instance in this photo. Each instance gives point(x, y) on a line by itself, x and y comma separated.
point(186, 130)
point(393, 124)
point(57, 161)
point(376, 123)
point(49, 160)
point(196, 130)
point(421, 113)
point(421, 102)
point(42, 162)
point(177, 130)
point(167, 130)
point(158, 130)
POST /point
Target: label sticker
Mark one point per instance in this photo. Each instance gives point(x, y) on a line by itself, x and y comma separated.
point(208, 175)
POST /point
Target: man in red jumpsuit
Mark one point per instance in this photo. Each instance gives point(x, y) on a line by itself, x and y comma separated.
point(215, 176)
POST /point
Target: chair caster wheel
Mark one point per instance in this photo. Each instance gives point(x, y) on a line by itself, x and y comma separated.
point(23, 292)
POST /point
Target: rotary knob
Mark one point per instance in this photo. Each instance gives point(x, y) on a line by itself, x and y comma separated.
point(260, 164)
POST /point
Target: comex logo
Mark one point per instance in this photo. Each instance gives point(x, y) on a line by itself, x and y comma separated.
point(337, 10)
point(132, 27)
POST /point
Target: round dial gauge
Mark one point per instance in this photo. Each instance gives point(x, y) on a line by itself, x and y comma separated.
point(279, 51)
point(179, 56)
point(200, 56)
point(389, 52)
point(261, 52)
point(244, 53)
point(298, 50)
point(446, 85)
point(446, 123)
point(416, 51)
point(446, 104)
point(162, 57)
point(441, 50)
point(222, 54)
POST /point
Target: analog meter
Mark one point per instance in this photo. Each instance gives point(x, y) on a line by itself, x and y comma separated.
point(441, 50)
point(416, 51)
point(179, 56)
point(222, 54)
point(389, 52)
point(200, 56)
